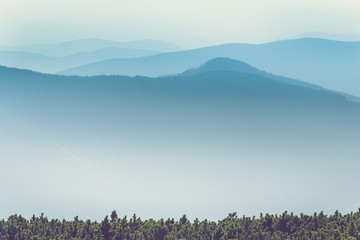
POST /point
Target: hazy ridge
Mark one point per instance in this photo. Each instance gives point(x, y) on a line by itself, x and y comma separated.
point(330, 64)
point(208, 128)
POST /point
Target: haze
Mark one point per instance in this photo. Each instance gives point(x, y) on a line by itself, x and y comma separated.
point(187, 23)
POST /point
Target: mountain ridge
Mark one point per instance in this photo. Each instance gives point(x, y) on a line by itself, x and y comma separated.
point(330, 64)
point(228, 64)
point(52, 64)
point(214, 66)
point(221, 64)
point(90, 44)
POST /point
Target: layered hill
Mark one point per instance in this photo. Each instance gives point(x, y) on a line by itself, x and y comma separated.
point(91, 44)
point(330, 64)
point(50, 64)
point(225, 129)
point(52, 58)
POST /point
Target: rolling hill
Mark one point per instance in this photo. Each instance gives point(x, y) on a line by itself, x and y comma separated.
point(52, 58)
point(330, 64)
point(217, 129)
point(227, 64)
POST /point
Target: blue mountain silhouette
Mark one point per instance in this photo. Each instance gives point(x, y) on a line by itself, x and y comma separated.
point(217, 126)
point(330, 64)
point(92, 44)
point(48, 64)
point(228, 64)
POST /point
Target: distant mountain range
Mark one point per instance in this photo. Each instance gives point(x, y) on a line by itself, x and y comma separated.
point(330, 64)
point(92, 44)
point(216, 75)
point(48, 64)
point(336, 37)
point(327, 63)
point(57, 57)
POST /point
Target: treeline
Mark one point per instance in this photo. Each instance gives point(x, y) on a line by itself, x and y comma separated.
point(284, 226)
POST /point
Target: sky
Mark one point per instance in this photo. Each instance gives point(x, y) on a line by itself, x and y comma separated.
point(187, 23)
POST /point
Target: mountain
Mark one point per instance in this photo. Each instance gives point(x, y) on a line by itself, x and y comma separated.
point(222, 64)
point(47, 64)
point(218, 89)
point(26, 48)
point(336, 37)
point(228, 64)
point(228, 133)
point(330, 64)
point(92, 44)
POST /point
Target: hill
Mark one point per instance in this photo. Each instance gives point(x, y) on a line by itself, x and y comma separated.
point(227, 133)
point(227, 64)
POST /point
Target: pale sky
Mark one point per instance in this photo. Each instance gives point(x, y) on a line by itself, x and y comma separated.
point(189, 23)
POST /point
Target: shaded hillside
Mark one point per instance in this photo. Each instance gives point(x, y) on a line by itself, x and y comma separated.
point(232, 65)
point(227, 64)
point(330, 64)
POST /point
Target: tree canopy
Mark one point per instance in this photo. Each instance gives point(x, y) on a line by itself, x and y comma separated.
point(284, 226)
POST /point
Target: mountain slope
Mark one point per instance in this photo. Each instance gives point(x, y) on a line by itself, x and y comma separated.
point(222, 64)
point(330, 64)
point(227, 64)
point(213, 131)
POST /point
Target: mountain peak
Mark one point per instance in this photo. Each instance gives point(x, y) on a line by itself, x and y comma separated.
point(222, 64)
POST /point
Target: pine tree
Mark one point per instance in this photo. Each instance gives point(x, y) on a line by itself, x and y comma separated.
point(105, 228)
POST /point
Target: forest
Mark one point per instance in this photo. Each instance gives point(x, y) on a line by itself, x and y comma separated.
point(283, 226)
